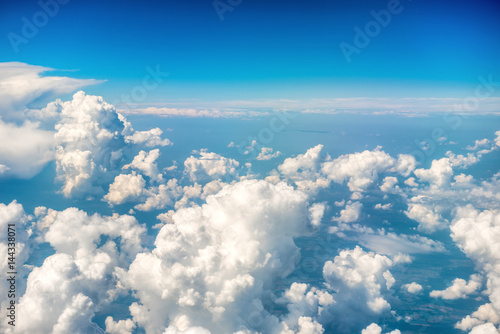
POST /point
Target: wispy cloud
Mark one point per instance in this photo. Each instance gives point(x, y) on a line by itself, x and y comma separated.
point(408, 106)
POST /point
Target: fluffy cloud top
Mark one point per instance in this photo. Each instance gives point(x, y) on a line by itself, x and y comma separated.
point(360, 170)
point(376, 329)
point(413, 287)
point(360, 279)
point(63, 294)
point(477, 233)
point(267, 154)
point(350, 213)
point(209, 166)
point(438, 175)
point(304, 169)
point(212, 265)
point(428, 220)
point(89, 143)
point(459, 289)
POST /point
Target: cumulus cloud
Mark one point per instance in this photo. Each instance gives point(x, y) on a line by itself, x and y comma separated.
point(267, 153)
point(478, 144)
point(487, 328)
point(209, 166)
point(477, 233)
point(89, 144)
point(125, 187)
point(161, 196)
point(413, 287)
point(119, 327)
point(148, 138)
point(350, 213)
point(304, 303)
point(360, 170)
point(405, 164)
point(459, 289)
point(305, 169)
point(376, 329)
point(389, 183)
point(484, 314)
point(361, 281)
point(428, 220)
point(213, 265)
point(438, 174)
point(381, 206)
point(145, 162)
point(63, 294)
point(316, 212)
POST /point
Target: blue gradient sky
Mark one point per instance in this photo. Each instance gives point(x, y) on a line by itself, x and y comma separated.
point(264, 49)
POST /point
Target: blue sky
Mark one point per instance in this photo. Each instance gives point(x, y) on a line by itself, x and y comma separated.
point(263, 49)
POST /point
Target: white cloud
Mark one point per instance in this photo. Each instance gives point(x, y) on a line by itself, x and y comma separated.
point(360, 170)
point(477, 234)
point(485, 313)
point(389, 183)
point(119, 327)
point(12, 216)
point(89, 144)
point(407, 106)
point(413, 287)
point(438, 175)
point(304, 303)
point(125, 187)
point(161, 196)
point(411, 182)
point(316, 212)
point(190, 112)
point(380, 206)
point(3, 169)
point(362, 283)
point(22, 84)
point(487, 328)
point(304, 169)
point(360, 279)
point(478, 144)
point(64, 293)
point(376, 329)
point(405, 165)
point(24, 149)
point(145, 162)
point(459, 289)
point(148, 138)
point(428, 220)
point(350, 213)
point(211, 267)
point(266, 153)
point(391, 243)
point(209, 166)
